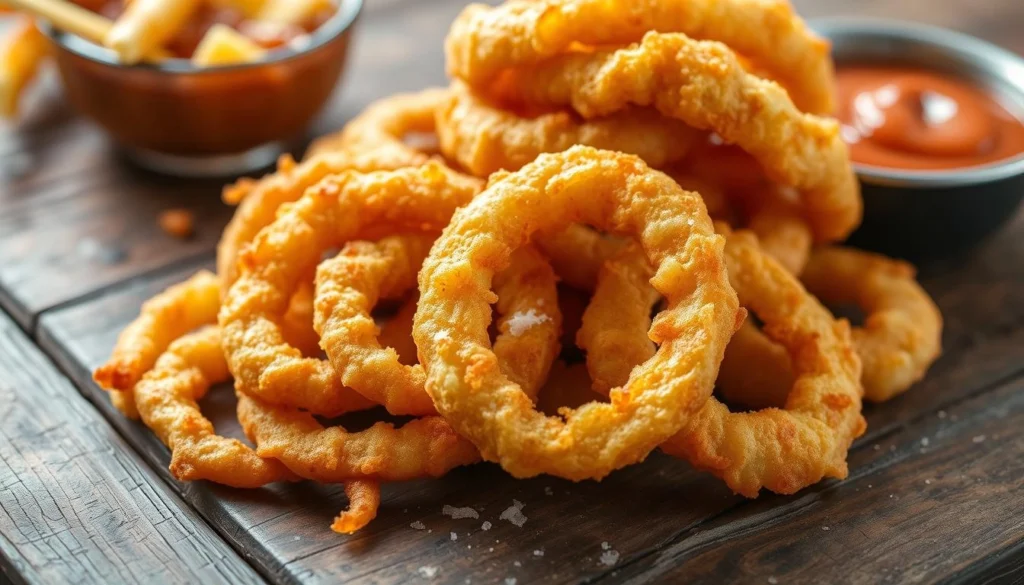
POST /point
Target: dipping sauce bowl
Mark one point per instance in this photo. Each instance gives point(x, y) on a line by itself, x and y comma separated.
point(178, 118)
point(922, 214)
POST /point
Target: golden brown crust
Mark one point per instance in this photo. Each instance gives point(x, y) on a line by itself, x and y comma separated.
point(703, 84)
point(484, 40)
point(614, 192)
point(483, 138)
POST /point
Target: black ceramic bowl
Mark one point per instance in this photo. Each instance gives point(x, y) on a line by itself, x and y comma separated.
point(920, 215)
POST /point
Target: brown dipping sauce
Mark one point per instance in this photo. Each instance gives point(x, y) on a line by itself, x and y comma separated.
point(914, 119)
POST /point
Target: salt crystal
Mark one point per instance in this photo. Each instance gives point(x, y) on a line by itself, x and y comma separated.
point(825, 528)
point(609, 557)
point(520, 322)
point(548, 491)
point(538, 553)
point(924, 441)
point(979, 439)
point(514, 514)
point(510, 581)
point(486, 525)
point(454, 536)
point(772, 581)
point(928, 481)
point(418, 525)
point(459, 513)
point(942, 414)
point(427, 572)
point(517, 563)
point(605, 546)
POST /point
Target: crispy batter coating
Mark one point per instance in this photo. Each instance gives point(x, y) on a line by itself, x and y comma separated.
point(163, 318)
point(613, 192)
point(363, 502)
point(483, 138)
point(902, 331)
point(166, 398)
point(483, 41)
point(330, 214)
point(900, 339)
point(615, 323)
point(350, 285)
point(703, 84)
point(782, 450)
point(373, 141)
point(423, 447)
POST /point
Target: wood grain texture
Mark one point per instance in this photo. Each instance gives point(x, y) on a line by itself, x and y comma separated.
point(943, 493)
point(61, 184)
point(638, 511)
point(76, 503)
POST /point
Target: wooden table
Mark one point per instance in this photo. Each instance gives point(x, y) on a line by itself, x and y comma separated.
point(935, 494)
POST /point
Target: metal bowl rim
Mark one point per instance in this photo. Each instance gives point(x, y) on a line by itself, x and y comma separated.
point(954, 43)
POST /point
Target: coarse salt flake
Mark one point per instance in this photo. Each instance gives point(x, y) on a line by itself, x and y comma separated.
point(460, 513)
point(418, 525)
point(609, 557)
point(521, 321)
point(427, 572)
point(514, 514)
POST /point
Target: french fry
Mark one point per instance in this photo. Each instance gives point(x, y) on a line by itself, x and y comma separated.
point(292, 11)
point(23, 50)
point(223, 45)
point(146, 25)
point(248, 8)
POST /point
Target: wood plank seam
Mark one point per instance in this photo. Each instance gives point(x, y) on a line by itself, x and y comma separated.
point(813, 494)
point(152, 274)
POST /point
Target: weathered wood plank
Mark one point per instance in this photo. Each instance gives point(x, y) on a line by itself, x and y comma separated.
point(943, 493)
point(983, 302)
point(77, 505)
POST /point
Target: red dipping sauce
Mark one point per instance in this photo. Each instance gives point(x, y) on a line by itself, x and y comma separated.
point(914, 119)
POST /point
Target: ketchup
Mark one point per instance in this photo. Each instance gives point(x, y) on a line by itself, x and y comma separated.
point(922, 120)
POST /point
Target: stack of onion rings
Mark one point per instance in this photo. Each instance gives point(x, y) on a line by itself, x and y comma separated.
point(580, 141)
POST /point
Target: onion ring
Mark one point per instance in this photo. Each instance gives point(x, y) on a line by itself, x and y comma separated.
point(485, 40)
point(376, 143)
point(624, 294)
point(781, 450)
point(484, 138)
point(901, 336)
point(163, 318)
point(611, 191)
point(423, 447)
point(703, 84)
point(166, 398)
point(331, 213)
point(902, 331)
point(350, 284)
